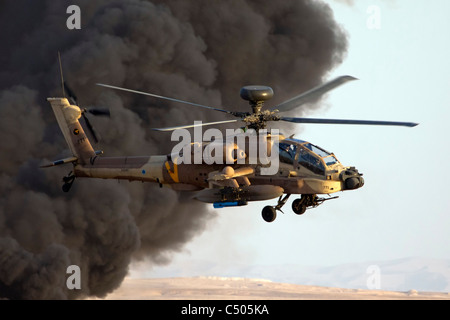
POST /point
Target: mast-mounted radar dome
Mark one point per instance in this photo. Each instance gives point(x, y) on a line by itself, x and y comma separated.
point(256, 95)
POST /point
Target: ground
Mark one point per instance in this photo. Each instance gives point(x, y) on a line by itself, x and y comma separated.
point(212, 288)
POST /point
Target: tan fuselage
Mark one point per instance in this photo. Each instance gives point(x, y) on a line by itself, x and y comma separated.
point(160, 169)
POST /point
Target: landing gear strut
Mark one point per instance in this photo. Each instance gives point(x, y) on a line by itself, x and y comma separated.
point(68, 182)
point(269, 213)
point(299, 206)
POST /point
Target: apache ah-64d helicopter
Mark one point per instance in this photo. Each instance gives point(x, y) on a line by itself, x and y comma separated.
point(303, 168)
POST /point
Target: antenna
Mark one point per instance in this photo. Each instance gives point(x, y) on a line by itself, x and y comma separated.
point(62, 78)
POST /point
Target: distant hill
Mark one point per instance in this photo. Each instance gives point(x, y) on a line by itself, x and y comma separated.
point(422, 274)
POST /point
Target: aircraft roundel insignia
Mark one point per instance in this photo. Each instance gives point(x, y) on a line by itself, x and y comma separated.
point(76, 131)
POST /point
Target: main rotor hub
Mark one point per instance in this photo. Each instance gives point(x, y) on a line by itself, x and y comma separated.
point(256, 95)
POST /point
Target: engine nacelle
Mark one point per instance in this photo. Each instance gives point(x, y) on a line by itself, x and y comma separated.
point(223, 152)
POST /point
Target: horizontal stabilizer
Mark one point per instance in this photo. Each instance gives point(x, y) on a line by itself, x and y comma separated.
point(59, 162)
point(67, 160)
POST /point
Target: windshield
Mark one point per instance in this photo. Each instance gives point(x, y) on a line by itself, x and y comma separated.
point(309, 155)
point(328, 157)
point(287, 152)
point(311, 161)
point(330, 160)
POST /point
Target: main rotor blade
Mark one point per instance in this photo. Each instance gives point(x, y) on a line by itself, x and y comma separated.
point(342, 121)
point(162, 97)
point(193, 125)
point(73, 98)
point(312, 94)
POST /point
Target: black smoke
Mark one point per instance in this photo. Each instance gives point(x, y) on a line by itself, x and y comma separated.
point(201, 51)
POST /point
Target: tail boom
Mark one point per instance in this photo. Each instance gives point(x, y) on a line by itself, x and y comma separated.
point(149, 169)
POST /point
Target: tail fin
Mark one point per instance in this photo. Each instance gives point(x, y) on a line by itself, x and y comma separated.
point(67, 116)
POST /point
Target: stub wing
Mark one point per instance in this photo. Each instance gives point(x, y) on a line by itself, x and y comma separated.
point(239, 195)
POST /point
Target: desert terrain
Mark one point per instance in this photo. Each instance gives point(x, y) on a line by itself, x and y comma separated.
point(219, 288)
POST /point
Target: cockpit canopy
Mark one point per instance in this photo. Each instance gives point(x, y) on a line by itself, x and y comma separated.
point(306, 154)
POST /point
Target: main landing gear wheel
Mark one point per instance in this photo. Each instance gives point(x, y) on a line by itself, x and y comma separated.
point(298, 206)
point(269, 214)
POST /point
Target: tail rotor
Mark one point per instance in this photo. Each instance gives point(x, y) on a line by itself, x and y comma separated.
point(102, 112)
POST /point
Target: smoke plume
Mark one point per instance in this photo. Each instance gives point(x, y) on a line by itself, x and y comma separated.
point(201, 51)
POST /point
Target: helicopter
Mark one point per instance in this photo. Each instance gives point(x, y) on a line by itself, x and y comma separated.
point(302, 169)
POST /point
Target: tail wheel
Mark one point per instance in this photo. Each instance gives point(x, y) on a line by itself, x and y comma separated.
point(269, 214)
point(68, 182)
point(299, 206)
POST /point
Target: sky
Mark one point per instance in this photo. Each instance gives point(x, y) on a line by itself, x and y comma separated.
point(399, 51)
